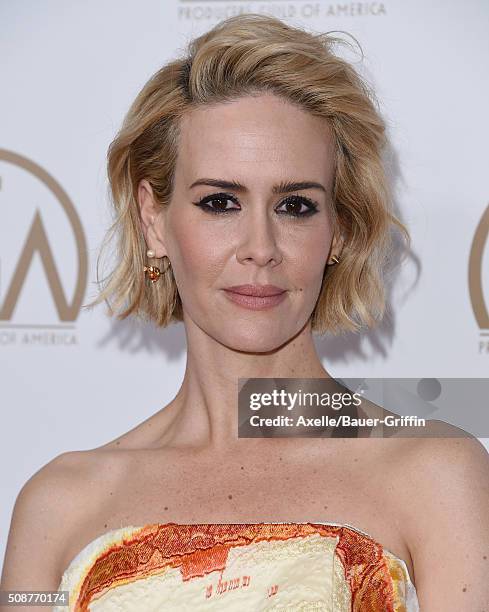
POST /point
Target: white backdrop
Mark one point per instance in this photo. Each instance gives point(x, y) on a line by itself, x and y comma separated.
point(72, 379)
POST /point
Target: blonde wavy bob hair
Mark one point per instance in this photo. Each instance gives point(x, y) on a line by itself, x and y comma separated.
point(245, 55)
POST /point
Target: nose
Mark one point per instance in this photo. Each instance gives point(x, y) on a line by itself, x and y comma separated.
point(258, 240)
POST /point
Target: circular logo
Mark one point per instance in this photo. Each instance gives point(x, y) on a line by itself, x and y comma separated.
point(476, 288)
point(29, 189)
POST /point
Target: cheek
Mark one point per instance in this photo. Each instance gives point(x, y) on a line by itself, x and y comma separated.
point(309, 257)
point(196, 253)
point(308, 276)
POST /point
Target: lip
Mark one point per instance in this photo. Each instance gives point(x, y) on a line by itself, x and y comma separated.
point(253, 302)
point(246, 296)
point(256, 290)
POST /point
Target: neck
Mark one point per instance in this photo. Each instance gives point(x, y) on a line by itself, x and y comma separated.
point(204, 413)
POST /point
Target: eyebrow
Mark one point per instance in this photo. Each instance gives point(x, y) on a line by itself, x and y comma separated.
point(282, 187)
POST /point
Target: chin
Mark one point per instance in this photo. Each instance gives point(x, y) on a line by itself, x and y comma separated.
point(254, 339)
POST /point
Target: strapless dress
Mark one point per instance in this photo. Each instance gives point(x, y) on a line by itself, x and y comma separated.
point(240, 567)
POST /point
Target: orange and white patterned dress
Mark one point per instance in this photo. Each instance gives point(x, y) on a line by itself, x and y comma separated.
point(244, 567)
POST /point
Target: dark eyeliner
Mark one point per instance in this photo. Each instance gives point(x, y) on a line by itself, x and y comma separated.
point(312, 210)
point(313, 206)
point(202, 203)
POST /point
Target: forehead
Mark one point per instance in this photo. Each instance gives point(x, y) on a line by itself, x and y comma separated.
point(263, 133)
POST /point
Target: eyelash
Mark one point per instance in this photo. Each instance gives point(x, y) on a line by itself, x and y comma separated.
point(202, 203)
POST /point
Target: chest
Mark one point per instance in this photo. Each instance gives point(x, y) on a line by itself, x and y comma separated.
point(251, 490)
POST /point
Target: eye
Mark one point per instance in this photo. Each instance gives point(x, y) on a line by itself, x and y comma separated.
point(207, 203)
point(295, 206)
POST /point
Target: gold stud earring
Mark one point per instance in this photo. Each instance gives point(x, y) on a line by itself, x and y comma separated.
point(335, 259)
point(153, 273)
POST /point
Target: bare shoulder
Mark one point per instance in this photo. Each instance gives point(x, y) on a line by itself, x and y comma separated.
point(37, 526)
point(447, 518)
point(444, 449)
point(47, 508)
point(443, 466)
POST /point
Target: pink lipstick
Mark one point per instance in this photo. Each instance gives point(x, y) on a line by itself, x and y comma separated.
point(256, 297)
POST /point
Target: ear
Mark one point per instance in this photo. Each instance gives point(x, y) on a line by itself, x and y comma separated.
point(336, 247)
point(152, 219)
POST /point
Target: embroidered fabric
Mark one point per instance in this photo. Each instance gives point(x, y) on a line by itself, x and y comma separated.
point(272, 567)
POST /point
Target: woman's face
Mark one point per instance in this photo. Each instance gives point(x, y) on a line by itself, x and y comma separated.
point(257, 234)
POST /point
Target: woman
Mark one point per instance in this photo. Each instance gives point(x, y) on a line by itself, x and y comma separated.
point(253, 206)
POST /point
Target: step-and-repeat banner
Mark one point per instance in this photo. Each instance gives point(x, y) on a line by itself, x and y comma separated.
point(74, 378)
